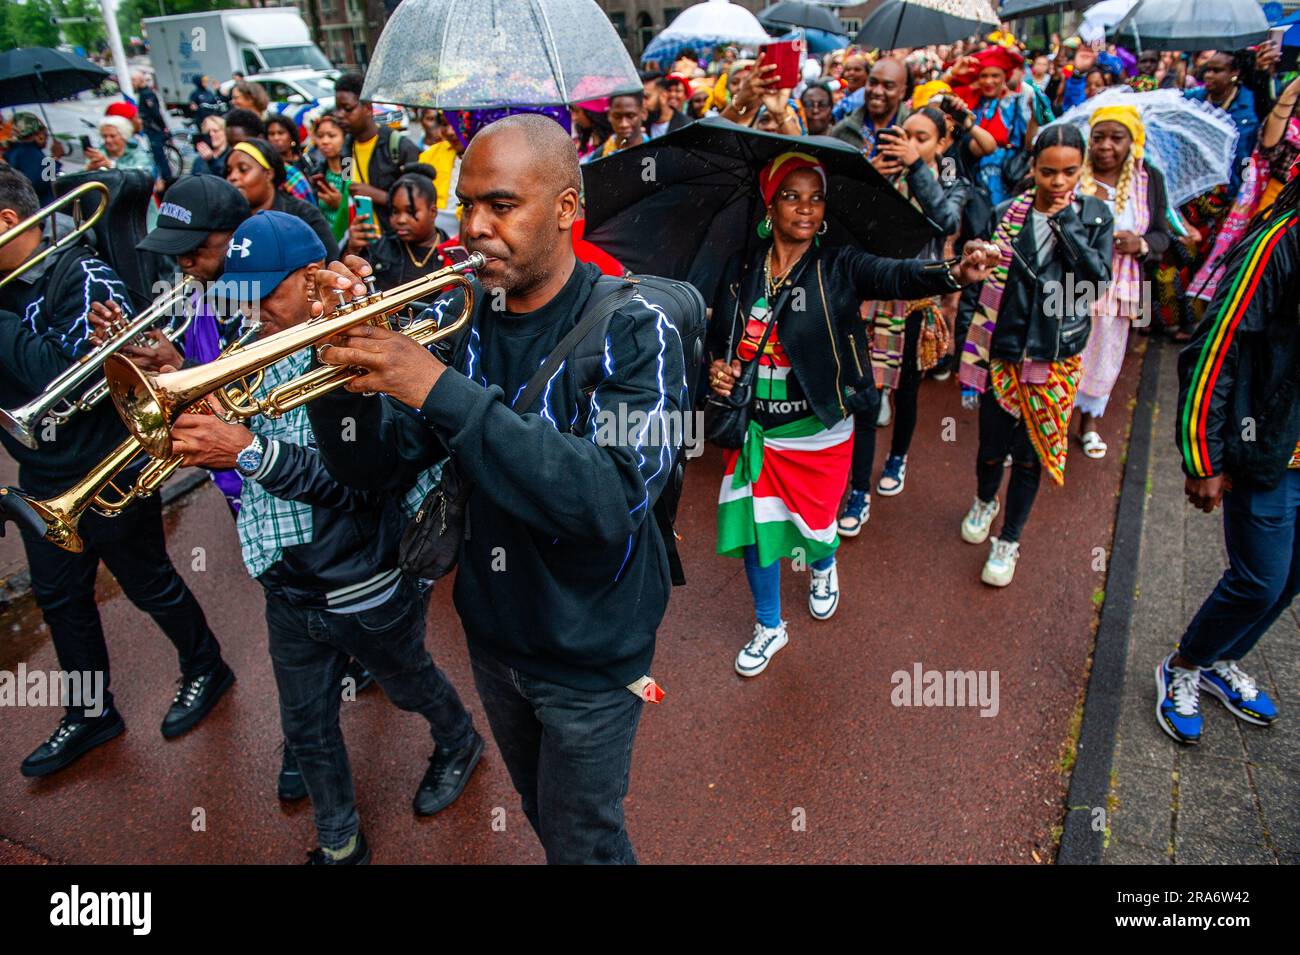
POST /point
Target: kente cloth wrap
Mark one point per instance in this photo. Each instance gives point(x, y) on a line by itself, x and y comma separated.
point(1045, 408)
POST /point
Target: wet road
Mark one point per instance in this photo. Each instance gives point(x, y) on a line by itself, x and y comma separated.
point(810, 762)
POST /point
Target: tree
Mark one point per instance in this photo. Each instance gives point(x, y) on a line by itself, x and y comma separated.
point(28, 24)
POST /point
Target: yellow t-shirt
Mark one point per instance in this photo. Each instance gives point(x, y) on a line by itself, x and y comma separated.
point(361, 153)
point(443, 159)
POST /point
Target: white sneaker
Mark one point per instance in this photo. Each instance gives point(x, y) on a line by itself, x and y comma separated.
point(1000, 568)
point(975, 525)
point(755, 655)
point(824, 592)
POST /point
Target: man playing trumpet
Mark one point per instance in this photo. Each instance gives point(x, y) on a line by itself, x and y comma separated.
point(326, 557)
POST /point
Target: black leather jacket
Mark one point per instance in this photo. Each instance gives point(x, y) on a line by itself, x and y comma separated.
point(1046, 316)
point(823, 337)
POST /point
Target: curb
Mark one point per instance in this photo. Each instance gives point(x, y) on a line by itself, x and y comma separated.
point(1081, 844)
point(19, 586)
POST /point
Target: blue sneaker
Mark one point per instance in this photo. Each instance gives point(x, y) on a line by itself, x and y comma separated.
point(1178, 701)
point(895, 473)
point(1238, 692)
point(857, 510)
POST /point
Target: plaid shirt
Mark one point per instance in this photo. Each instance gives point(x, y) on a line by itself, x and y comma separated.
point(268, 524)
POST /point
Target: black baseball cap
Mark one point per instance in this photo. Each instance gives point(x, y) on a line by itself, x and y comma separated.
point(191, 208)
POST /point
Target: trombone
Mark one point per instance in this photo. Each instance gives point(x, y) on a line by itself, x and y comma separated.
point(56, 518)
point(150, 402)
point(82, 225)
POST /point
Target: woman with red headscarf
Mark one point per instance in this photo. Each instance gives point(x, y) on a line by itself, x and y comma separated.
point(1004, 113)
point(786, 336)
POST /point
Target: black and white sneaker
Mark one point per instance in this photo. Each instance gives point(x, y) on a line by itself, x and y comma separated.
point(70, 741)
point(754, 656)
point(195, 698)
point(824, 592)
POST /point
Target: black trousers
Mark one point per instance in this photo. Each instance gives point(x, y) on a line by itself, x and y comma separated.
point(905, 397)
point(132, 547)
point(1002, 434)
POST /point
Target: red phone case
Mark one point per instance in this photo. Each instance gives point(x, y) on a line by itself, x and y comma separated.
point(785, 55)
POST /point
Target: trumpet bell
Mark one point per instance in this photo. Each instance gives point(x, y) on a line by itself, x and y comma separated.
point(144, 409)
point(38, 520)
point(18, 429)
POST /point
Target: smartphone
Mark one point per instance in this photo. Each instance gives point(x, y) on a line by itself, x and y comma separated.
point(85, 141)
point(1276, 33)
point(787, 55)
point(364, 207)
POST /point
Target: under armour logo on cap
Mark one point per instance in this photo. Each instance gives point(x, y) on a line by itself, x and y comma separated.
point(243, 247)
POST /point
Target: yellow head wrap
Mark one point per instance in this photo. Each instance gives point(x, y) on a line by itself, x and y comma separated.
point(249, 149)
point(1126, 116)
point(922, 95)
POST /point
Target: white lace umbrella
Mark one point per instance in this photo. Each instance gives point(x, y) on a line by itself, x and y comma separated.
point(1192, 143)
point(480, 54)
point(706, 25)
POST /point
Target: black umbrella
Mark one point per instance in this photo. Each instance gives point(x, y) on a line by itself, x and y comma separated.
point(684, 205)
point(794, 13)
point(900, 24)
point(37, 74)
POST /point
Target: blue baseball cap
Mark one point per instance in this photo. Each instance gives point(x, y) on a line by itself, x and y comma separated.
point(265, 249)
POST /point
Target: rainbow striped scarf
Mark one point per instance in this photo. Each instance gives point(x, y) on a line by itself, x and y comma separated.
point(974, 370)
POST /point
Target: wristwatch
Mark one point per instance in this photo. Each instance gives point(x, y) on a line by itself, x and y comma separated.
point(249, 460)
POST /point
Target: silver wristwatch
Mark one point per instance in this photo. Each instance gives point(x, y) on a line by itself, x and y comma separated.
point(249, 460)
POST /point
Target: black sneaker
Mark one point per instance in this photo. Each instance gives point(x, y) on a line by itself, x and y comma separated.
point(70, 741)
point(360, 855)
point(194, 698)
point(291, 787)
point(359, 674)
point(446, 777)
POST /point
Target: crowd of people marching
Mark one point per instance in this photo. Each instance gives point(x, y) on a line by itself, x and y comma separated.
point(1018, 203)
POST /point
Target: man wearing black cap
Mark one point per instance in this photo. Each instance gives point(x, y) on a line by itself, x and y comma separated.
point(326, 556)
point(44, 328)
point(197, 217)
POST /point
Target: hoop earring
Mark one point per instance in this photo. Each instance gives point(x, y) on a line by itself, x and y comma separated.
point(825, 227)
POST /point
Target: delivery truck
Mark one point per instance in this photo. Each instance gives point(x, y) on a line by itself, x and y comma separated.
point(267, 42)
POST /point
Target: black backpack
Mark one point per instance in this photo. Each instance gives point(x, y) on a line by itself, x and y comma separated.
point(684, 306)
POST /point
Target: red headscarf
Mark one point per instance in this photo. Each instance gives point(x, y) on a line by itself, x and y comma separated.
point(776, 171)
point(1001, 58)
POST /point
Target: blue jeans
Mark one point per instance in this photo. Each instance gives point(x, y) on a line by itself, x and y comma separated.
point(569, 754)
point(1263, 575)
point(765, 585)
point(310, 650)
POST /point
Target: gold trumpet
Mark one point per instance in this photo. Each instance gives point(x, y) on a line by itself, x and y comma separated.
point(56, 518)
point(149, 403)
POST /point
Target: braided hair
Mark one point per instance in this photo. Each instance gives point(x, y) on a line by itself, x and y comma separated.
point(1123, 185)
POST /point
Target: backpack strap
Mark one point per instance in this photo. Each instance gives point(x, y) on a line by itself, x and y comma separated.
point(593, 314)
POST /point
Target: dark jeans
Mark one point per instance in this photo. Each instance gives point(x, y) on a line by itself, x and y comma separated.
point(1263, 575)
point(157, 140)
point(132, 547)
point(310, 650)
point(905, 395)
point(1002, 434)
point(569, 754)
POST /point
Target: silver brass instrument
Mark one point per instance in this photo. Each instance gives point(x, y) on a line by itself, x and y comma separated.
point(82, 386)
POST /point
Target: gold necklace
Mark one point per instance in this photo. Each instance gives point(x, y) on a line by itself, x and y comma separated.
point(774, 283)
point(418, 263)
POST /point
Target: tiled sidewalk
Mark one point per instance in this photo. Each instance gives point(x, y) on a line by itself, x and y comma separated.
point(1234, 798)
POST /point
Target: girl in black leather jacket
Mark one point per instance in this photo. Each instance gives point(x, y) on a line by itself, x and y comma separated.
point(1022, 353)
point(908, 336)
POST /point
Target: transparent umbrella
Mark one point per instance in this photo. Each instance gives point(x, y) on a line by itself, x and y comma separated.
point(1192, 143)
point(706, 25)
point(480, 54)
